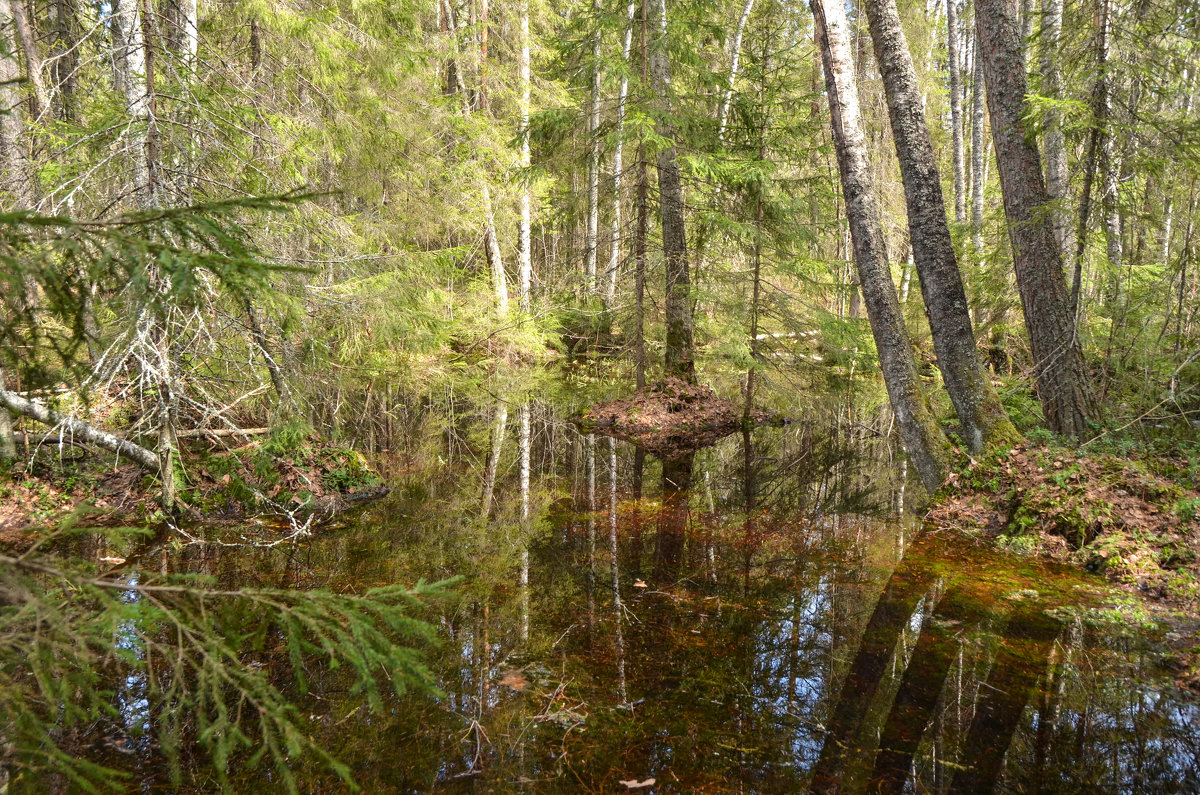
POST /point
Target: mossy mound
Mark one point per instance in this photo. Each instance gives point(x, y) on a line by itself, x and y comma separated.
point(1111, 515)
point(669, 418)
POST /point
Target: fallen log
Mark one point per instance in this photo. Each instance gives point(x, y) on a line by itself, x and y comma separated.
point(79, 429)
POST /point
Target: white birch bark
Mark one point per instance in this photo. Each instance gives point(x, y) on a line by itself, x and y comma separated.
point(525, 219)
point(614, 253)
point(131, 62)
point(735, 54)
point(79, 429)
point(592, 236)
point(978, 158)
point(956, 119)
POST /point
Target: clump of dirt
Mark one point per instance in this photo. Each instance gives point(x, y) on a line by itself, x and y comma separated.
point(1111, 515)
point(669, 418)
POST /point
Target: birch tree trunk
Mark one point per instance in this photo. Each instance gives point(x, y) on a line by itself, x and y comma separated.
point(735, 54)
point(1058, 359)
point(491, 246)
point(1057, 177)
point(984, 422)
point(922, 438)
point(978, 158)
point(593, 213)
point(132, 65)
point(79, 429)
point(679, 352)
point(956, 119)
point(525, 220)
point(614, 253)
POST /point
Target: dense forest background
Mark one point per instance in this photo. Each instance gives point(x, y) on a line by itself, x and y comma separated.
point(459, 184)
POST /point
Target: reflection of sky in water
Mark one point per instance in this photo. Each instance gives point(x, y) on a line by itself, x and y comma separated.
point(132, 702)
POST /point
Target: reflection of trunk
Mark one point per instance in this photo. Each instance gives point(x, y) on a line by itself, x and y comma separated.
point(1015, 672)
point(919, 690)
point(679, 354)
point(673, 520)
point(523, 440)
point(1058, 359)
point(923, 439)
point(590, 472)
point(891, 615)
point(975, 401)
point(618, 610)
point(499, 424)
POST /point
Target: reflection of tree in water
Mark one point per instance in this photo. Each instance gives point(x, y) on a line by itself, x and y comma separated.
point(777, 640)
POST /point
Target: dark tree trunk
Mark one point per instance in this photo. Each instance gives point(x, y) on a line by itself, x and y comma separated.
point(923, 439)
point(679, 354)
point(1057, 356)
point(975, 401)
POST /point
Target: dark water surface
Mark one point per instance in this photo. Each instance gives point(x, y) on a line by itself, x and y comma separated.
point(762, 616)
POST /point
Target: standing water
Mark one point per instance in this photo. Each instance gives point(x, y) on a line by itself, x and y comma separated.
point(761, 616)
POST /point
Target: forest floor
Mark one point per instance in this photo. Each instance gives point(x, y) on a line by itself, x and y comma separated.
point(1134, 519)
point(669, 418)
point(262, 477)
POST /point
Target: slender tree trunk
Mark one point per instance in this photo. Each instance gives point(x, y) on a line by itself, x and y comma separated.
point(978, 158)
point(525, 221)
point(984, 422)
point(591, 238)
point(260, 341)
point(499, 426)
point(643, 218)
point(735, 54)
point(8, 441)
point(492, 248)
point(64, 57)
point(491, 243)
point(134, 65)
point(33, 58)
point(16, 177)
point(923, 439)
point(1058, 359)
point(956, 119)
point(1110, 168)
point(1057, 178)
point(679, 351)
point(614, 253)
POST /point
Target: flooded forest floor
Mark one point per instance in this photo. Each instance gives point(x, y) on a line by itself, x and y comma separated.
point(1134, 520)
